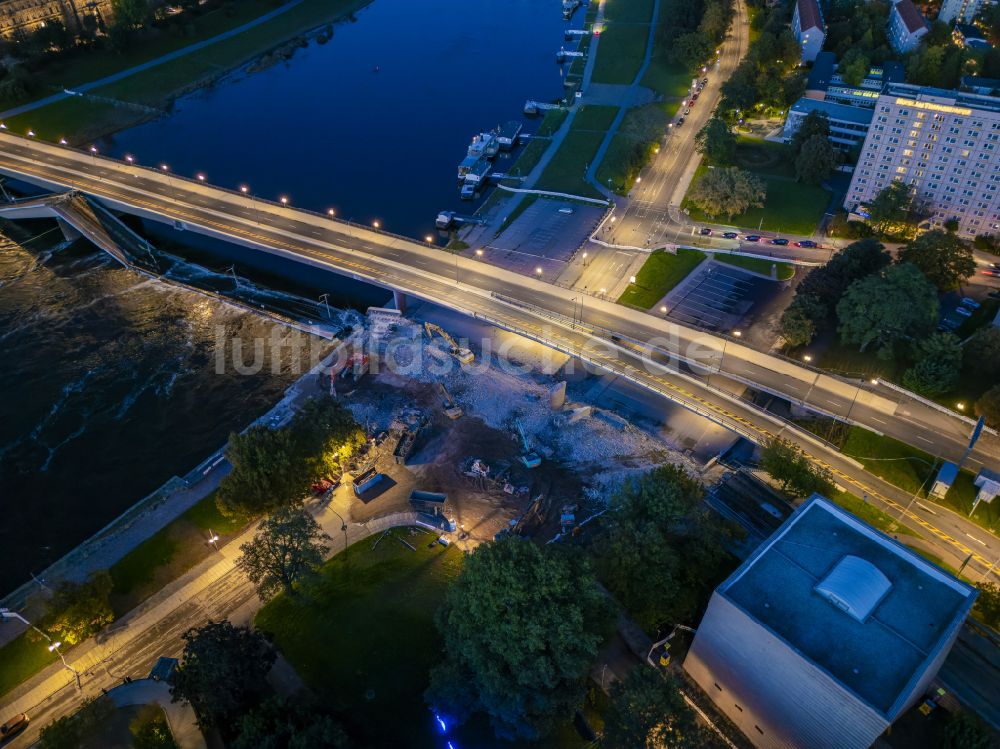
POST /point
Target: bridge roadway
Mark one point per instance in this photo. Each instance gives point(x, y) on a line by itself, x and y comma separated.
point(632, 344)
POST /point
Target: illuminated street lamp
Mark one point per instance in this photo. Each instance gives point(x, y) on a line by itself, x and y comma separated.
point(663, 309)
point(213, 539)
point(376, 223)
point(31, 133)
point(538, 271)
point(960, 406)
point(129, 159)
point(631, 279)
point(429, 239)
point(737, 333)
point(284, 200)
point(479, 253)
point(245, 189)
point(585, 259)
point(3, 126)
point(201, 177)
point(330, 212)
point(62, 142)
point(807, 358)
point(53, 644)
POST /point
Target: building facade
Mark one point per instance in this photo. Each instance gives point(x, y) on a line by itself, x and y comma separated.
point(848, 124)
point(964, 11)
point(944, 145)
point(808, 27)
point(22, 16)
point(906, 27)
point(826, 634)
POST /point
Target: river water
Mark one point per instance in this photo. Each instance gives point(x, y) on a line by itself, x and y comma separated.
point(109, 379)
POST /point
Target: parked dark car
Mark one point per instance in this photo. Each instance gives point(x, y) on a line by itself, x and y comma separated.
point(705, 231)
point(806, 243)
point(779, 241)
point(680, 121)
point(13, 727)
point(730, 235)
point(752, 238)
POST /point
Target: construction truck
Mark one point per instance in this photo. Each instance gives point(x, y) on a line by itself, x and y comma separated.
point(659, 653)
point(451, 409)
point(529, 458)
point(464, 355)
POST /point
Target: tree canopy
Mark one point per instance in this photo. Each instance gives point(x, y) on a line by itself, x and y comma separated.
point(816, 160)
point(77, 611)
point(716, 142)
point(988, 406)
point(982, 353)
point(883, 309)
point(222, 673)
point(938, 365)
point(790, 466)
point(288, 546)
point(647, 711)
point(521, 627)
point(894, 212)
point(945, 259)
point(727, 192)
point(657, 536)
point(289, 724)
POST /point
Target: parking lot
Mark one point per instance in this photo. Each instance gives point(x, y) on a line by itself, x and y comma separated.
point(715, 297)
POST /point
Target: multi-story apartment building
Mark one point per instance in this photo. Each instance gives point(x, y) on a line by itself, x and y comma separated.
point(962, 10)
point(18, 16)
point(906, 26)
point(945, 145)
point(807, 24)
point(848, 125)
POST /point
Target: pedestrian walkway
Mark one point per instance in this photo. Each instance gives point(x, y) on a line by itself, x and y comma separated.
point(180, 715)
point(169, 57)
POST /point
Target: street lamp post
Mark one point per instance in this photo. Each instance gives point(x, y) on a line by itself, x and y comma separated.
point(245, 189)
point(53, 644)
point(325, 298)
point(343, 525)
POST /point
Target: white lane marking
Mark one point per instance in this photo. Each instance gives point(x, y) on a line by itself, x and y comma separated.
point(926, 509)
point(919, 437)
point(880, 421)
point(975, 539)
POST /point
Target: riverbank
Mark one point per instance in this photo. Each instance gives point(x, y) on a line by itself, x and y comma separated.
point(150, 91)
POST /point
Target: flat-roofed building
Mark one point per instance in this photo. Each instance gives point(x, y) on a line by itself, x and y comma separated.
point(906, 26)
point(809, 29)
point(826, 634)
point(848, 125)
point(944, 145)
point(961, 10)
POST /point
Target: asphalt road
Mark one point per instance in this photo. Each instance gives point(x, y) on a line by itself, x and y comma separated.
point(632, 344)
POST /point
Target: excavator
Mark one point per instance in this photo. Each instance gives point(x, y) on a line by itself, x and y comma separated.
point(451, 409)
point(529, 457)
point(464, 355)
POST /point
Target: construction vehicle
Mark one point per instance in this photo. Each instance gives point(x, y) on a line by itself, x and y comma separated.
point(659, 653)
point(464, 355)
point(529, 458)
point(527, 523)
point(451, 409)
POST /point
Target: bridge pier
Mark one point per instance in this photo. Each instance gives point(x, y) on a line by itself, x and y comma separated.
point(70, 233)
point(399, 299)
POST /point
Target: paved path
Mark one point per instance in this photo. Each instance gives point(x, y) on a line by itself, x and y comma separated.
point(180, 715)
point(634, 95)
point(170, 56)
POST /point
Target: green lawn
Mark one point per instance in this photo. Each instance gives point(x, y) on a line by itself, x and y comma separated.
point(628, 11)
point(567, 170)
point(632, 146)
point(764, 157)
point(664, 75)
point(80, 120)
point(789, 207)
point(594, 117)
point(552, 120)
point(659, 274)
point(785, 271)
point(362, 636)
point(22, 658)
point(620, 53)
point(168, 554)
point(911, 469)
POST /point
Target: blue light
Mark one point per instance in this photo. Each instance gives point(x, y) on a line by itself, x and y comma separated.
point(450, 745)
point(444, 726)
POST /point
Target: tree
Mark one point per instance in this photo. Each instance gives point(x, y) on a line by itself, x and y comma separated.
point(884, 309)
point(691, 50)
point(829, 282)
point(740, 91)
point(222, 673)
point(891, 210)
point(77, 611)
point(727, 192)
point(945, 259)
point(982, 354)
point(130, 14)
point(327, 436)
point(287, 547)
point(854, 66)
point(814, 123)
point(268, 472)
point(965, 731)
point(150, 730)
point(939, 362)
point(521, 627)
point(797, 326)
point(288, 724)
point(816, 161)
point(716, 142)
point(72, 731)
point(988, 603)
point(647, 711)
point(988, 406)
point(790, 466)
point(657, 536)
